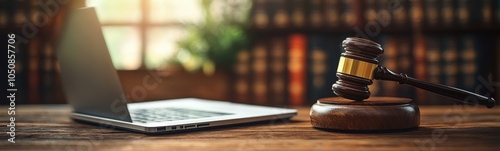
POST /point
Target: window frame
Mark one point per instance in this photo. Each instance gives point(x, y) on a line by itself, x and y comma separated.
point(142, 26)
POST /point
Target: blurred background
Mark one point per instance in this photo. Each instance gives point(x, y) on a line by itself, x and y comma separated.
point(267, 52)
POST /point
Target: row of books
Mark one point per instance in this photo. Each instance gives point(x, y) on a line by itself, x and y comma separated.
point(37, 80)
point(444, 42)
point(298, 69)
point(452, 60)
point(394, 14)
point(286, 69)
point(464, 13)
point(302, 13)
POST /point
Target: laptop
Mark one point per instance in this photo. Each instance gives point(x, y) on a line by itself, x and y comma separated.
point(93, 89)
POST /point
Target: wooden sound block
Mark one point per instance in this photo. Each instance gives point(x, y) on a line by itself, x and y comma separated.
point(374, 113)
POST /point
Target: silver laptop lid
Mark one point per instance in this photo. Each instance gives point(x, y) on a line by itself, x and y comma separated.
point(89, 79)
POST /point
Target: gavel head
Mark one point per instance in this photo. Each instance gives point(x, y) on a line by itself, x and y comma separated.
point(356, 67)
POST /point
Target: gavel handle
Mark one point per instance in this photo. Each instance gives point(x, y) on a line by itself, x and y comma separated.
point(382, 73)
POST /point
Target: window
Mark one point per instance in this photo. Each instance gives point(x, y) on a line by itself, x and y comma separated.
point(142, 34)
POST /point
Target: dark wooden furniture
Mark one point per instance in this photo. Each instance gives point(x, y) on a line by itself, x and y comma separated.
point(374, 113)
point(48, 127)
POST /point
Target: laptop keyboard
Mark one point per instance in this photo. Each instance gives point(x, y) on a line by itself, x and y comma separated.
point(169, 114)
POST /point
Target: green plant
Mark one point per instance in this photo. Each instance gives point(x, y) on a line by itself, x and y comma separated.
point(215, 41)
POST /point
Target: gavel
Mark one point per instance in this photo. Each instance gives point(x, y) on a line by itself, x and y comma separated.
point(358, 66)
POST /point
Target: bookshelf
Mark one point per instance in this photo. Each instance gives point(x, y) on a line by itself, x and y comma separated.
point(443, 41)
point(449, 42)
point(36, 64)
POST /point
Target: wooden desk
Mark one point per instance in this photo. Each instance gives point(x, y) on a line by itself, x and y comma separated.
point(49, 127)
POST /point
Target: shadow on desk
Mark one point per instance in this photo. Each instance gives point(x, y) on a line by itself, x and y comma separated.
point(271, 123)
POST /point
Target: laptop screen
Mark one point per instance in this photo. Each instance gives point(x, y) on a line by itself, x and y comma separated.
point(89, 79)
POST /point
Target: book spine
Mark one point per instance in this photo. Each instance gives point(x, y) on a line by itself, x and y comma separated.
point(351, 13)
point(333, 49)
point(431, 13)
point(370, 11)
point(468, 63)
point(449, 60)
point(260, 15)
point(433, 64)
point(404, 61)
point(298, 13)
point(417, 15)
point(18, 18)
point(401, 14)
point(399, 17)
point(419, 47)
point(242, 79)
point(259, 73)
point(317, 85)
point(478, 12)
point(278, 71)
point(486, 13)
point(316, 13)
point(463, 12)
point(449, 67)
point(420, 65)
point(4, 14)
point(296, 69)
point(280, 15)
point(447, 12)
point(47, 73)
point(389, 60)
point(332, 13)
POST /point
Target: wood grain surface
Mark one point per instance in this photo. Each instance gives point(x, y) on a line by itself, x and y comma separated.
point(48, 127)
